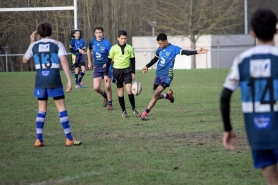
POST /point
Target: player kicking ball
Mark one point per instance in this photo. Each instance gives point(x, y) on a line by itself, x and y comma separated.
point(165, 59)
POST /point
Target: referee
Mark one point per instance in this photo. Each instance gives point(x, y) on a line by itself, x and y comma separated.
point(123, 57)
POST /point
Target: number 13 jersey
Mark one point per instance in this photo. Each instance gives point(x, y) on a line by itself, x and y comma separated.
point(47, 54)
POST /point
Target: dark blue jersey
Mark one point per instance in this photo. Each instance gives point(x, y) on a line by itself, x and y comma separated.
point(255, 71)
point(100, 51)
point(166, 60)
point(46, 53)
point(77, 44)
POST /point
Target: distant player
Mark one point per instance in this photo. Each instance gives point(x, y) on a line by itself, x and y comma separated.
point(123, 69)
point(47, 55)
point(100, 48)
point(255, 71)
point(165, 59)
point(77, 49)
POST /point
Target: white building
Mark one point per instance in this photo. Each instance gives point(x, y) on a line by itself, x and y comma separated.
point(221, 50)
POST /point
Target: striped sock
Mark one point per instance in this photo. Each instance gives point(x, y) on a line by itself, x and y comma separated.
point(64, 119)
point(40, 124)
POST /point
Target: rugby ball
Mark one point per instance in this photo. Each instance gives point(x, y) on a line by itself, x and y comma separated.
point(136, 88)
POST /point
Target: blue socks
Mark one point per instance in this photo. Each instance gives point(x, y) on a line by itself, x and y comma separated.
point(81, 76)
point(64, 119)
point(40, 124)
point(104, 94)
point(76, 78)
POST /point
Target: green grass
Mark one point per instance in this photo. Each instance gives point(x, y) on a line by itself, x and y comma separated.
point(180, 143)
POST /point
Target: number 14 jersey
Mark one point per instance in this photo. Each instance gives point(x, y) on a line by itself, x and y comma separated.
point(255, 71)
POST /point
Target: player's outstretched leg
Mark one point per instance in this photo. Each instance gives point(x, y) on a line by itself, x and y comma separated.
point(144, 115)
point(170, 96)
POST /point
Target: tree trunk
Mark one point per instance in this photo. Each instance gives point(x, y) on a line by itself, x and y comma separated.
point(193, 47)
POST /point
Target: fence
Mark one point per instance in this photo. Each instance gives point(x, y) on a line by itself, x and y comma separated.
point(215, 58)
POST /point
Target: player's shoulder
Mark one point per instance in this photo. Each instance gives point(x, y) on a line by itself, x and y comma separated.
point(259, 50)
point(174, 47)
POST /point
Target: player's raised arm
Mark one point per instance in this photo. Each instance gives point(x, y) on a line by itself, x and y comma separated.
point(29, 52)
point(194, 52)
point(202, 51)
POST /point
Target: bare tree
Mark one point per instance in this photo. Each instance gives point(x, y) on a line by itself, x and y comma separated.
point(193, 19)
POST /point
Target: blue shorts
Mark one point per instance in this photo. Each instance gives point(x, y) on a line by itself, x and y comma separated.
point(77, 60)
point(263, 158)
point(45, 93)
point(99, 72)
point(164, 81)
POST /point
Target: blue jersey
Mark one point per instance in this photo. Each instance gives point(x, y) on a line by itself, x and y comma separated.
point(46, 53)
point(77, 44)
point(100, 51)
point(166, 60)
point(255, 71)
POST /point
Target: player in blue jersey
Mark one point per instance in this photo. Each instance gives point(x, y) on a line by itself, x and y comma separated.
point(77, 49)
point(165, 59)
point(48, 54)
point(255, 71)
point(100, 47)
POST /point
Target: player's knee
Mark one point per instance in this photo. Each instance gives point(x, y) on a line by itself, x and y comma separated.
point(97, 89)
point(156, 95)
point(108, 88)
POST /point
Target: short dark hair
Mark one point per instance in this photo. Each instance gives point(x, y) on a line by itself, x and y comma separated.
point(97, 27)
point(161, 36)
point(44, 29)
point(122, 32)
point(263, 23)
point(77, 31)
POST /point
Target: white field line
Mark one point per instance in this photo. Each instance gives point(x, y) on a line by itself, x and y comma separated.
point(68, 178)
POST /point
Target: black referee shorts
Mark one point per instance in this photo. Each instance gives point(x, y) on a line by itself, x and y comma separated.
point(122, 76)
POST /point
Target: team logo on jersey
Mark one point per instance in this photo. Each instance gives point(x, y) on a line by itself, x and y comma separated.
point(167, 54)
point(45, 73)
point(262, 121)
point(260, 68)
point(102, 48)
point(44, 47)
point(98, 55)
point(162, 61)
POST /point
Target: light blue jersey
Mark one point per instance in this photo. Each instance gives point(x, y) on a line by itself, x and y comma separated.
point(100, 51)
point(166, 60)
point(255, 71)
